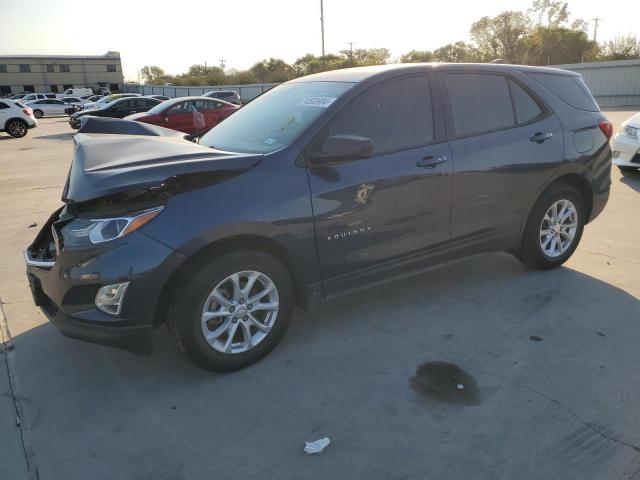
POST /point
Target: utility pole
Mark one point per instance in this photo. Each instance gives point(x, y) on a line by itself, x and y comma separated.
point(221, 68)
point(322, 27)
point(350, 49)
point(204, 79)
point(595, 28)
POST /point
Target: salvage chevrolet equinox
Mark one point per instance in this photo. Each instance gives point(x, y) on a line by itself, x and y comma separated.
point(323, 185)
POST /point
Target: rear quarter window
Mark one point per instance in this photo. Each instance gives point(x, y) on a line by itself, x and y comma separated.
point(571, 89)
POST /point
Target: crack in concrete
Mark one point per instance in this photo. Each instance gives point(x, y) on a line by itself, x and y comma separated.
point(5, 337)
point(30, 189)
point(543, 395)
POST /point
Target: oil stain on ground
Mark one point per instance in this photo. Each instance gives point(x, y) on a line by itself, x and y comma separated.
point(445, 383)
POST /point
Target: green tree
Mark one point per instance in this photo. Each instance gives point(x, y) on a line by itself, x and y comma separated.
point(500, 36)
point(458, 52)
point(152, 74)
point(417, 56)
point(549, 13)
point(621, 48)
point(556, 45)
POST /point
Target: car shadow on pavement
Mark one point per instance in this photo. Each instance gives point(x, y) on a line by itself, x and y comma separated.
point(552, 353)
point(57, 136)
point(631, 179)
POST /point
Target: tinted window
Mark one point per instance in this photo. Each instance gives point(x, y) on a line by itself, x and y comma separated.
point(479, 102)
point(395, 115)
point(49, 68)
point(3, 68)
point(205, 105)
point(25, 68)
point(182, 107)
point(3, 105)
point(526, 107)
point(65, 68)
point(569, 88)
point(122, 105)
point(111, 68)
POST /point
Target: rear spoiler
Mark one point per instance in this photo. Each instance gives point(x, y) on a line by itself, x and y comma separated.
point(118, 126)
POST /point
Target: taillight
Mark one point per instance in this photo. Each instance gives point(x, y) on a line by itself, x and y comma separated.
point(27, 111)
point(606, 127)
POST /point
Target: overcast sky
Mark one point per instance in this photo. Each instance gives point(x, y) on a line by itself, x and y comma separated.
point(177, 34)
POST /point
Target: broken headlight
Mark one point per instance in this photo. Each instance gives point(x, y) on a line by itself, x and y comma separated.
point(84, 231)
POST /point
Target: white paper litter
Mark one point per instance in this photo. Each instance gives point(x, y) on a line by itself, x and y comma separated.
point(317, 446)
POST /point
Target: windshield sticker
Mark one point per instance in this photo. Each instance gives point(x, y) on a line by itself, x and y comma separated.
point(322, 102)
point(270, 141)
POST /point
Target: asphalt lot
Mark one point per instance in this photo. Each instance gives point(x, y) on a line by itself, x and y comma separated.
point(548, 362)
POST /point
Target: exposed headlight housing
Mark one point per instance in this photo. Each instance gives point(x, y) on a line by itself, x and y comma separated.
point(629, 132)
point(83, 231)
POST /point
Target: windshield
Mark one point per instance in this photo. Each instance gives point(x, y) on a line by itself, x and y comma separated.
point(274, 119)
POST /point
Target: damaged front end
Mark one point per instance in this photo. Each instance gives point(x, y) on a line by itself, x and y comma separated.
point(91, 269)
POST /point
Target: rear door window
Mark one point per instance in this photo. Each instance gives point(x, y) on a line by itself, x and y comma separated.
point(570, 88)
point(395, 115)
point(479, 103)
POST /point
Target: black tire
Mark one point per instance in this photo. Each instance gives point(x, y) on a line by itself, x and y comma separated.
point(38, 113)
point(185, 311)
point(530, 251)
point(16, 128)
point(624, 168)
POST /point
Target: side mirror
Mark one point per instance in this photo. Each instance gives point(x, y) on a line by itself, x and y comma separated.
point(343, 147)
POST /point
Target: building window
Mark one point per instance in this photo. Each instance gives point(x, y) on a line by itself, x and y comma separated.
point(66, 87)
point(5, 89)
point(64, 68)
point(114, 87)
point(53, 88)
point(24, 68)
point(111, 68)
point(28, 88)
point(49, 68)
point(3, 68)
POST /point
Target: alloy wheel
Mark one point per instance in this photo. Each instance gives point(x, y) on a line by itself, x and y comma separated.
point(558, 228)
point(17, 129)
point(240, 312)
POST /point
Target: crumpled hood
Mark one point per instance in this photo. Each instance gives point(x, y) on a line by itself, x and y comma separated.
point(104, 164)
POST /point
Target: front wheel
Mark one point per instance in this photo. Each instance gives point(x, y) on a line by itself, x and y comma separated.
point(554, 228)
point(233, 311)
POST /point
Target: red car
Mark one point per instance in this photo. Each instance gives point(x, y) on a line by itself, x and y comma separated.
point(191, 115)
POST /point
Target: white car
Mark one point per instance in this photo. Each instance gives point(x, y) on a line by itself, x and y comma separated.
point(47, 107)
point(626, 145)
point(37, 96)
point(15, 118)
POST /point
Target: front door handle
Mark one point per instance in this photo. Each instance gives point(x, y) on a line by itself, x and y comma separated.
point(431, 161)
point(540, 137)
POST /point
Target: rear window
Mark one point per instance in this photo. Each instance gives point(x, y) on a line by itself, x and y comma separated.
point(526, 107)
point(569, 88)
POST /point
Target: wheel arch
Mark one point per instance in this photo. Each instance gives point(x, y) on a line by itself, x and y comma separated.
point(303, 296)
point(10, 119)
point(575, 180)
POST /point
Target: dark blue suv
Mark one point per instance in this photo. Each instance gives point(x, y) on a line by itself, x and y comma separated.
point(323, 185)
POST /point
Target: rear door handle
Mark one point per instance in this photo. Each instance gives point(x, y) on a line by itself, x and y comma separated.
point(540, 137)
point(431, 161)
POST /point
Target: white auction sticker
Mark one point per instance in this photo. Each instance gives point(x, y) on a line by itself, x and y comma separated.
point(323, 102)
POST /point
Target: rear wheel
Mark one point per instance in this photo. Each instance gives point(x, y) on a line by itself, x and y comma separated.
point(38, 113)
point(16, 128)
point(554, 228)
point(233, 311)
